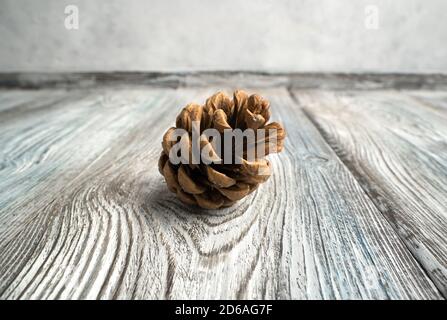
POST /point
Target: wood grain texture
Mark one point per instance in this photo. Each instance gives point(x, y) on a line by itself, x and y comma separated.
point(397, 147)
point(84, 212)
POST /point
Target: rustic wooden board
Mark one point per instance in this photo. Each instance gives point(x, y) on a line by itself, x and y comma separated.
point(397, 148)
point(84, 212)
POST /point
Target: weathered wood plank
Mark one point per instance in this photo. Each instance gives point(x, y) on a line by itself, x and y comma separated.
point(43, 151)
point(85, 214)
point(397, 148)
point(14, 99)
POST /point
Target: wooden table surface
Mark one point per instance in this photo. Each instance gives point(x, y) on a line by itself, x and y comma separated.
point(356, 207)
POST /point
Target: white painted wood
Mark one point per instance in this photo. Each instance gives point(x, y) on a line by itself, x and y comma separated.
point(84, 213)
point(397, 148)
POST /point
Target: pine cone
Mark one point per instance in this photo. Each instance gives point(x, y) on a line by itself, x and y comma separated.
point(216, 185)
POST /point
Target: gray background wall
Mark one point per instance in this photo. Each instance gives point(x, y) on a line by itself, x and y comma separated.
point(162, 35)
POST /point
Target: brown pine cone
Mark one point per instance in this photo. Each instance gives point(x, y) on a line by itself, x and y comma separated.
point(215, 185)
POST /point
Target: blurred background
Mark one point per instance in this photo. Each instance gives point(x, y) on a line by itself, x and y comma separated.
point(398, 36)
